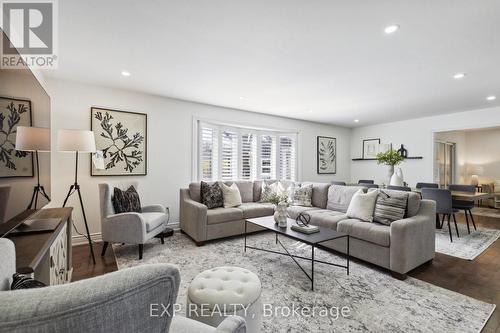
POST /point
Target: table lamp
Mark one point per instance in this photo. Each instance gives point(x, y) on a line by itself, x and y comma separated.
point(77, 141)
point(34, 139)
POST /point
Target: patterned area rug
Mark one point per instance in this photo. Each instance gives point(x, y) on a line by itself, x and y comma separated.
point(466, 246)
point(485, 211)
point(376, 301)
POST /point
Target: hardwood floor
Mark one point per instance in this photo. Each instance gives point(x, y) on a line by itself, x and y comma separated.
point(479, 278)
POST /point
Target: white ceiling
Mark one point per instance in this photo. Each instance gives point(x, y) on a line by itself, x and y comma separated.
point(286, 57)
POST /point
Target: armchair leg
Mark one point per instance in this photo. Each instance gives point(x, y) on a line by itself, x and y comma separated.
point(104, 247)
point(141, 248)
point(162, 239)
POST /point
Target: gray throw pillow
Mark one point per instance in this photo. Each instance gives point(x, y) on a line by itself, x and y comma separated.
point(390, 206)
point(211, 195)
point(126, 201)
point(302, 196)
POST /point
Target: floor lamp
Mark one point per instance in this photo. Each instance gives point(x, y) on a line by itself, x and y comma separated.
point(77, 141)
point(34, 139)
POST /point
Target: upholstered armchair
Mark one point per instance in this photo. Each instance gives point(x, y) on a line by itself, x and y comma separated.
point(129, 300)
point(129, 228)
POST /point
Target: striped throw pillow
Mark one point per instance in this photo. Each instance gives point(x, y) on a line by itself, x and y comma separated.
point(20, 281)
point(390, 206)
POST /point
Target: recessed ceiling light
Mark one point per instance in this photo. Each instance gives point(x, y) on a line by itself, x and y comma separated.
point(491, 98)
point(125, 73)
point(459, 76)
point(356, 120)
point(391, 29)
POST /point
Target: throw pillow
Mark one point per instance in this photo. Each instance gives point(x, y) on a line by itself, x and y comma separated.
point(211, 195)
point(390, 206)
point(231, 195)
point(268, 191)
point(303, 196)
point(126, 201)
point(20, 281)
point(362, 206)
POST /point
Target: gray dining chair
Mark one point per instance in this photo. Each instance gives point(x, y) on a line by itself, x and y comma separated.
point(365, 181)
point(334, 182)
point(465, 205)
point(444, 205)
point(427, 185)
point(399, 188)
point(368, 185)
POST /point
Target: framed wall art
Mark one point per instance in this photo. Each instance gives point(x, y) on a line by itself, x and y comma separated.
point(14, 112)
point(121, 136)
point(326, 155)
point(370, 148)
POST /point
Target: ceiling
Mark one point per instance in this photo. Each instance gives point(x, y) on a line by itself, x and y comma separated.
point(322, 60)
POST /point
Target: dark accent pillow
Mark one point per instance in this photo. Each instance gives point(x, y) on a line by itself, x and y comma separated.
point(20, 281)
point(390, 207)
point(211, 195)
point(126, 201)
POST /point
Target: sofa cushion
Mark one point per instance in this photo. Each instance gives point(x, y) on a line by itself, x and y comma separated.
point(246, 189)
point(413, 204)
point(371, 232)
point(256, 209)
point(195, 191)
point(302, 196)
point(294, 211)
point(211, 195)
point(153, 220)
point(362, 206)
point(340, 196)
point(390, 207)
point(319, 194)
point(219, 215)
point(326, 218)
point(231, 194)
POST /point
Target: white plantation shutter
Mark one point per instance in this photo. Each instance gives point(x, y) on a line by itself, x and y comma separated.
point(229, 155)
point(287, 157)
point(267, 156)
point(248, 156)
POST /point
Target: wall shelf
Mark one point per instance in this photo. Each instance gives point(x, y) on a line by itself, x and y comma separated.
point(374, 159)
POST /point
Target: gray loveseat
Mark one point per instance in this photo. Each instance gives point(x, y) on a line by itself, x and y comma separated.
point(400, 247)
point(130, 300)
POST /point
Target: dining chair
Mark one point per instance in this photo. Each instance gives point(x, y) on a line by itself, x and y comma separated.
point(399, 188)
point(365, 181)
point(465, 205)
point(444, 205)
point(334, 182)
point(427, 185)
point(368, 185)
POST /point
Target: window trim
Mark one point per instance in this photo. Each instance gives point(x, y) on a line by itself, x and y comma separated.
point(246, 128)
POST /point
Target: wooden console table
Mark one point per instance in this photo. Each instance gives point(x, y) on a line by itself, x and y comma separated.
point(47, 255)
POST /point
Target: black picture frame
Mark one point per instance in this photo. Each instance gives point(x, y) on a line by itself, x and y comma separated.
point(145, 159)
point(364, 143)
point(24, 100)
point(320, 170)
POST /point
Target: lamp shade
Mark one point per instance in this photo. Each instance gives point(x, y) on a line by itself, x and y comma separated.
point(32, 138)
point(82, 141)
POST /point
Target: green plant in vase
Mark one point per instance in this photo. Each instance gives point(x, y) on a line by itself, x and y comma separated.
point(390, 158)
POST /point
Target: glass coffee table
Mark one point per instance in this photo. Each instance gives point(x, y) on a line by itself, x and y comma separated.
point(324, 234)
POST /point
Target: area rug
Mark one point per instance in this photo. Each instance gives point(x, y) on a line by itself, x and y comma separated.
point(467, 246)
point(485, 211)
point(376, 302)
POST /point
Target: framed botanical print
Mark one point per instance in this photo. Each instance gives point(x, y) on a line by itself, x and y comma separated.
point(326, 155)
point(14, 112)
point(370, 148)
point(121, 138)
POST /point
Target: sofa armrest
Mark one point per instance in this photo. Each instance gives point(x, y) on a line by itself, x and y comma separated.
point(154, 209)
point(7, 263)
point(413, 239)
point(232, 324)
point(124, 228)
point(193, 217)
point(121, 301)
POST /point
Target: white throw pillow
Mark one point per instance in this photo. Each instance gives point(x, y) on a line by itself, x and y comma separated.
point(231, 194)
point(362, 206)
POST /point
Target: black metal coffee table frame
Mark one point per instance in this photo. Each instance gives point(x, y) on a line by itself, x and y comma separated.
point(301, 238)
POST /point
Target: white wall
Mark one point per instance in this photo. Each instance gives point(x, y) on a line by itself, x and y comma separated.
point(417, 136)
point(170, 125)
point(483, 154)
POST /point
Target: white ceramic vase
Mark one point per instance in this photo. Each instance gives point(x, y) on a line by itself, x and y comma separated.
point(397, 178)
point(281, 215)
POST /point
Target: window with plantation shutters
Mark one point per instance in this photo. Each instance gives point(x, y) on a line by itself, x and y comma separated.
point(232, 152)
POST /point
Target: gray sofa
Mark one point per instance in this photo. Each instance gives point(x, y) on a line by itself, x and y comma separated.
point(115, 302)
point(400, 247)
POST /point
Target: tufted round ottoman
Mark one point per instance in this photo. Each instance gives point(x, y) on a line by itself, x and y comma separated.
point(222, 291)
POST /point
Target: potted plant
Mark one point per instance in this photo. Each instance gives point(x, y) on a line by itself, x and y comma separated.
point(390, 158)
point(281, 202)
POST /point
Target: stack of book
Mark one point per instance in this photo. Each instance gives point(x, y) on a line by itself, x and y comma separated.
point(307, 229)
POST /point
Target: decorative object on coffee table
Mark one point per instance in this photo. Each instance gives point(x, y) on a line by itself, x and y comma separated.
point(370, 148)
point(326, 155)
point(281, 215)
point(13, 113)
point(122, 138)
